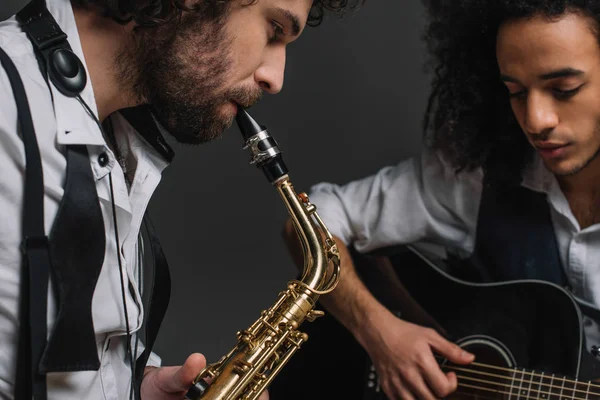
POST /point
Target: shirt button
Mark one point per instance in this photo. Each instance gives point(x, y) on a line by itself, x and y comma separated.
point(103, 160)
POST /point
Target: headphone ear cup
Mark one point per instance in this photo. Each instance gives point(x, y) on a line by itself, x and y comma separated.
point(67, 72)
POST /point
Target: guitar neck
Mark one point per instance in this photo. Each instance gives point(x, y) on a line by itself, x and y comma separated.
point(485, 380)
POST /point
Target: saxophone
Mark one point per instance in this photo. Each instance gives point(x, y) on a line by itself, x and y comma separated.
point(265, 347)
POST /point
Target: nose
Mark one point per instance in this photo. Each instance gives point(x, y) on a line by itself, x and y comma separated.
point(540, 115)
point(269, 75)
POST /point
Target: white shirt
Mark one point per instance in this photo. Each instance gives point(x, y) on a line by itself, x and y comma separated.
point(423, 200)
point(57, 124)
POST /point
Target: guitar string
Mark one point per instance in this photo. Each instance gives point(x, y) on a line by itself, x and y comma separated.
point(565, 379)
point(519, 393)
point(475, 394)
point(484, 388)
point(521, 380)
point(483, 397)
point(514, 394)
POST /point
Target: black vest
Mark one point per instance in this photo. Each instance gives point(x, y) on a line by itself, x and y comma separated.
point(515, 237)
point(515, 240)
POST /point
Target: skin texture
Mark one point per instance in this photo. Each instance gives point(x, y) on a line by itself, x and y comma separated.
point(552, 73)
point(194, 76)
point(551, 111)
point(244, 57)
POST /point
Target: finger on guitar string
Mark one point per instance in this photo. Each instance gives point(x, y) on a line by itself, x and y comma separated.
point(441, 384)
point(402, 350)
point(449, 350)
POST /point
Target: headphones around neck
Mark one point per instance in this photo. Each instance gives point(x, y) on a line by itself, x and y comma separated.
point(67, 72)
point(55, 56)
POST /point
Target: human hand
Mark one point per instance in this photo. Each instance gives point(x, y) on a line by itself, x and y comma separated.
point(172, 383)
point(402, 355)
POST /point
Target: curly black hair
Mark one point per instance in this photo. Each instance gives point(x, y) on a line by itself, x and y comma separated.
point(468, 117)
point(148, 13)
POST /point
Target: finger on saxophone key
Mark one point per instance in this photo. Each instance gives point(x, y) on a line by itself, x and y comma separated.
point(164, 382)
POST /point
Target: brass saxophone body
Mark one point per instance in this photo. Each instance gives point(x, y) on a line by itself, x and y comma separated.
point(264, 348)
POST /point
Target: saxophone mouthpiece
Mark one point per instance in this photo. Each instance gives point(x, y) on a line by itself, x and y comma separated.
point(264, 150)
point(248, 126)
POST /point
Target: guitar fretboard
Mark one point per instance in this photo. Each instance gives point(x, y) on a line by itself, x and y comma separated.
point(490, 381)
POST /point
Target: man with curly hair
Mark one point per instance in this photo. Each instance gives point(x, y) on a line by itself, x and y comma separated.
point(189, 64)
point(513, 119)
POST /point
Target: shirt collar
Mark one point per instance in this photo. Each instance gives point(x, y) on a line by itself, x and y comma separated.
point(142, 120)
point(78, 123)
point(536, 177)
point(138, 145)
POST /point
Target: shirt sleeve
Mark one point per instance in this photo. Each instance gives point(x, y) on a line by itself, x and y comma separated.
point(419, 200)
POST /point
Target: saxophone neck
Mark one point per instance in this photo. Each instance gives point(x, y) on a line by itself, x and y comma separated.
point(317, 243)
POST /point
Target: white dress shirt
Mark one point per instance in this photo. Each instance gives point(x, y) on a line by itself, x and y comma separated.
point(58, 123)
point(423, 200)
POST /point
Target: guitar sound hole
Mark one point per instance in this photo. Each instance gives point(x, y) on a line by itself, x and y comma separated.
point(490, 376)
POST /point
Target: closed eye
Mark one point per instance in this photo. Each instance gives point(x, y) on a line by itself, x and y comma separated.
point(277, 32)
point(518, 95)
point(566, 94)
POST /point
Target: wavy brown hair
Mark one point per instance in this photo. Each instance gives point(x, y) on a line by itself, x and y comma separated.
point(147, 13)
point(469, 117)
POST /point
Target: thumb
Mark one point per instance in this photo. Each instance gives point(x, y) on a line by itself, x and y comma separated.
point(178, 379)
point(451, 351)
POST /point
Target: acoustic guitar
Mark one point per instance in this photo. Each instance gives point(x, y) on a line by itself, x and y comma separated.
point(527, 336)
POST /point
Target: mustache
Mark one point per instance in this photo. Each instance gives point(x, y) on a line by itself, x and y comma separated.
point(546, 135)
point(245, 97)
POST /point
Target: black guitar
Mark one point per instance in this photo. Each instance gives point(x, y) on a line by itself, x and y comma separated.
point(527, 336)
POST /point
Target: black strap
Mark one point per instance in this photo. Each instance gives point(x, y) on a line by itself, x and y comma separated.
point(77, 247)
point(36, 262)
point(78, 236)
point(158, 303)
point(43, 31)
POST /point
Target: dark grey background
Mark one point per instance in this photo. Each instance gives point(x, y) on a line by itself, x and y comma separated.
point(353, 100)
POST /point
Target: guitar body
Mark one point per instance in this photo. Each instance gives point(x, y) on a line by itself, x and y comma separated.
point(531, 325)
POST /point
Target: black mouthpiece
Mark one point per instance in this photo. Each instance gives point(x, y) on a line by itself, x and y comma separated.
point(248, 126)
point(263, 148)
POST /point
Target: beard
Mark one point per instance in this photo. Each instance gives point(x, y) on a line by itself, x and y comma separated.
point(179, 69)
point(576, 169)
point(582, 164)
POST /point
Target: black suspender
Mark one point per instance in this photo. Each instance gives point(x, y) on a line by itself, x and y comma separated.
point(35, 270)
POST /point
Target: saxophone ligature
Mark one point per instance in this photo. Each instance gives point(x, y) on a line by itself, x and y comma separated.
point(265, 347)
